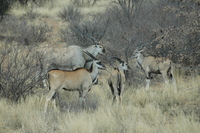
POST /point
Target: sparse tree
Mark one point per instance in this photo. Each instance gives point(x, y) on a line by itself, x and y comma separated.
point(18, 68)
point(85, 33)
point(180, 40)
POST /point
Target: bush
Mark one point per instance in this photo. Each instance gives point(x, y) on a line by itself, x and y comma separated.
point(70, 13)
point(25, 33)
point(180, 40)
point(85, 33)
point(31, 14)
point(4, 6)
point(31, 34)
point(18, 68)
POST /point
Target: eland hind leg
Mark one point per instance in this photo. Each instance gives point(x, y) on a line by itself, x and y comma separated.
point(115, 95)
point(165, 76)
point(120, 91)
point(81, 99)
point(114, 91)
point(48, 98)
point(147, 83)
point(172, 78)
point(148, 78)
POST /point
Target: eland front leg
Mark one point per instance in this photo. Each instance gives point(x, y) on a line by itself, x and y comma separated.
point(82, 95)
point(148, 79)
point(147, 83)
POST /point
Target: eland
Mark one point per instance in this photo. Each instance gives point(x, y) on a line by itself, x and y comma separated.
point(80, 80)
point(69, 58)
point(156, 65)
point(117, 80)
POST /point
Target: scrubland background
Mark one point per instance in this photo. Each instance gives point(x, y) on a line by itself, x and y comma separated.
point(167, 28)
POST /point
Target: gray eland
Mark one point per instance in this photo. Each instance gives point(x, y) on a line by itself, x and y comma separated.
point(69, 58)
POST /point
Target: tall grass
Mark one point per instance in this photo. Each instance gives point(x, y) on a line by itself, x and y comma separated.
point(156, 111)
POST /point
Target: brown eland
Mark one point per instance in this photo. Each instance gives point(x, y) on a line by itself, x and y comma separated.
point(80, 80)
point(117, 80)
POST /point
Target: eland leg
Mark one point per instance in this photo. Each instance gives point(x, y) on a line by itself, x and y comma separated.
point(171, 76)
point(81, 98)
point(48, 98)
point(147, 83)
point(120, 99)
point(148, 78)
point(82, 95)
point(115, 94)
point(174, 82)
point(165, 77)
point(120, 93)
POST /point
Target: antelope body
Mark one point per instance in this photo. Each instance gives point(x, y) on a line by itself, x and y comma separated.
point(117, 80)
point(156, 65)
point(69, 58)
point(80, 80)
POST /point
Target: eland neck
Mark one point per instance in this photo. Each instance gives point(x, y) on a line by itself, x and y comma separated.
point(94, 71)
point(120, 68)
point(92, 50)
point(140, 58)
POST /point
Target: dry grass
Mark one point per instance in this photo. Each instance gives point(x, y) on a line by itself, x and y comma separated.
point(52, 8)
point(158, 110)
point(49, 9)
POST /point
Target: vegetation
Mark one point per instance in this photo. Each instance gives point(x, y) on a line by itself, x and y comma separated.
point(159, 110)
point(4, 7)
point(168, 28)
point(18, 71)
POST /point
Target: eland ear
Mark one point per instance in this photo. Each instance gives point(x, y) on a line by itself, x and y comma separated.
point(98, 43)
point(142, 48)
point(118, 59)
point(135, 51)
